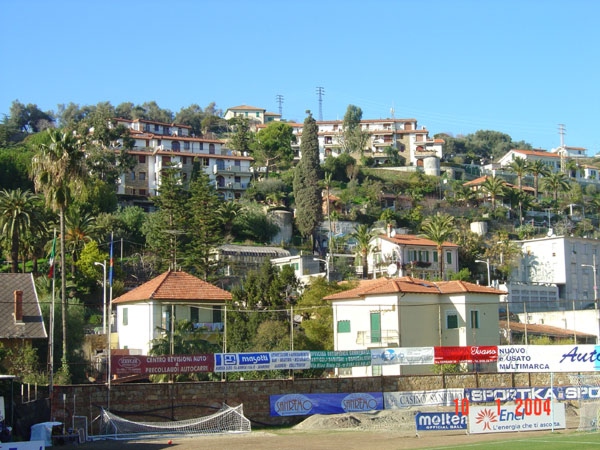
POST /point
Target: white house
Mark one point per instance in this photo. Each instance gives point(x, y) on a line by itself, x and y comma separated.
point(253, 113)
point(410, 312)
point(151, 310)
point(397, 254)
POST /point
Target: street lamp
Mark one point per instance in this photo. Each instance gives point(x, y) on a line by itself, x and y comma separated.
point(594, 270)
point(326, 261)
point(487, 263)
point(103, 295)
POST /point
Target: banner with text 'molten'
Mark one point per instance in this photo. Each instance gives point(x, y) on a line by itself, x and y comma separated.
point(123, 365)
point(468, 354)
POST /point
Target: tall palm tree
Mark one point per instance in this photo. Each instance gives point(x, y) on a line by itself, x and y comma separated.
point(494, 187)
point(519, 167)
point(58, 171)
point(439, 229)
point(556, 182)
point(537, 168)
point(363, 237)
point(19, 211)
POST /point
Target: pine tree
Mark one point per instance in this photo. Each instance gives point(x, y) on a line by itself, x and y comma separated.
point(206, 228)
point(306, 177)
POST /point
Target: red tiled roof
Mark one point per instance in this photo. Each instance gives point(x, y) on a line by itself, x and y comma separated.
point(411, 239)
point(175, 286)
point(545, 330)
point(540, 153)
point(410, 285)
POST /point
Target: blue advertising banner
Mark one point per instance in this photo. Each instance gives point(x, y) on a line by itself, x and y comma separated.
point(436, 421)
point(402, 355)
point(486, 395)
point(307, 404)
point(239, 362)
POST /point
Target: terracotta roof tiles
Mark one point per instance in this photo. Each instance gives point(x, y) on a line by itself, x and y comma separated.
point(175, 286)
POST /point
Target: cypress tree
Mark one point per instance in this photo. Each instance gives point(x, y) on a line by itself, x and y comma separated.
point(307, 193)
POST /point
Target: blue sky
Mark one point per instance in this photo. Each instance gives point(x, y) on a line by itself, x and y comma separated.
point(457, 66)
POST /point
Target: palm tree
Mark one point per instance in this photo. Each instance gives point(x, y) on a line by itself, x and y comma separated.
point(58, 170)
point(556, 182)
point(494, 187)
point(363, 237)
point(79, 231)
point(439, 229)
point(519, 167)
point(537, 168)
point(19, 212)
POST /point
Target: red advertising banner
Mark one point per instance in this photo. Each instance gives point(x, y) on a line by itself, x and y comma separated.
point(468, 354)
point(123, 365)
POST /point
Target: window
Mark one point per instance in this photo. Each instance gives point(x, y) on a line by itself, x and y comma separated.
point(205, 162)
point(474, 319)
point(175, 146)
point(186, 145)
point(125, 316)
point(142, 159)
point(211, 149)
point(142, 176)
point(451, 320)
point(132, 176)
point(343, 326)
point(448, 257)
point(166, 160)
point(257, 114)
point(156, 127)
point(194, 315)
point(143, 192)
point(435, 256)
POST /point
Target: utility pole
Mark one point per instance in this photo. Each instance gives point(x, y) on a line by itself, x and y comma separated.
point(320, 93)
point(594, 270)
point(563, 159)
point(279, 99)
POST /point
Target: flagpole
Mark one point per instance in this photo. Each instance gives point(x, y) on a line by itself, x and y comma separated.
point(110, 296)
point(51, 321)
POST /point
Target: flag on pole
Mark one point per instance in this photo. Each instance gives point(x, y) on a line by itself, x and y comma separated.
point(51, 258)
point(110, 272)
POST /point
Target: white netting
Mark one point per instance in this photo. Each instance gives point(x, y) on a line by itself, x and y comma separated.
point(589, 403)
point(227, 420)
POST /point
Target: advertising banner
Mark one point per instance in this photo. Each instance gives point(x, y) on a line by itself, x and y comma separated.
point(438, 421)
point(307, 404)
point(402, 355)
point(158, 365)
point(516, 417)
point(468, 354)
point(341, 358)
point(486, 395)
point(240, 362)
point(548, 358)
point(407, 399)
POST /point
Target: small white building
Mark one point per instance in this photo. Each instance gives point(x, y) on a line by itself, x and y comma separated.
point(409, 312)
point(150, 311)
point(397, 254)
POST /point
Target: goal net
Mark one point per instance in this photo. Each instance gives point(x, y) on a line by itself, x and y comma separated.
point(227, 420)
point(589, 400)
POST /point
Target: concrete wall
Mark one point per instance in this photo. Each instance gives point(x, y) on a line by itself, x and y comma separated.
point(178, 401)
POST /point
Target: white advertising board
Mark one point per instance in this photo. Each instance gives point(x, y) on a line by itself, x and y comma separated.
point(548, 358)
point(505, 418)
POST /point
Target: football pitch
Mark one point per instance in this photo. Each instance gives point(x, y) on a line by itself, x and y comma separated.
point(552, 441)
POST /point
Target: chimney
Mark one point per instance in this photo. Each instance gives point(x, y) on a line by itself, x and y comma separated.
point(18, 306)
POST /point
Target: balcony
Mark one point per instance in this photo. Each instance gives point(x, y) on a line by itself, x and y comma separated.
point(232, 169)
point(384, 338)
point(232, 186)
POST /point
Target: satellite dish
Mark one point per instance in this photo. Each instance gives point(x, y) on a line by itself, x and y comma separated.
point(392, 269)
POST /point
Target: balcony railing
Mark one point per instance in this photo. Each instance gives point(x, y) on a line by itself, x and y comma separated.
point(383, 338)
point(233, 169)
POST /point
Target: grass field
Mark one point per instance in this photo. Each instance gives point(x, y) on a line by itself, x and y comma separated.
point(552, 441)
